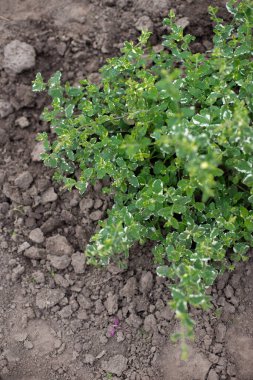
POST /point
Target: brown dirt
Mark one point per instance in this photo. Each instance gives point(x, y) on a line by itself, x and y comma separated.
point(59, 323)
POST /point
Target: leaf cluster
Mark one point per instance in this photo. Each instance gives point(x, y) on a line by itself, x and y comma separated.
point(172, 130)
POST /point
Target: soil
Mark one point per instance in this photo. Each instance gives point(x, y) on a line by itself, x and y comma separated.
point(59, 318)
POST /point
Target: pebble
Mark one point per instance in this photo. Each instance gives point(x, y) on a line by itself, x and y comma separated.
point(49, 196)
point(115, 365)
point(50, 224)
point(66, 312)
point(24, 180)
point(34, 253)
point(150, 324)
point(96, 215)
point(18, 56)
point(58, 245)
point(78, 262)
point(59, 262)
point(220, 332)
point(36, 236)
point(38, 277)
point(129, 288)
point(61, 47)
point(5, 108)
point(61, 281)
point(213, 375)
point(22, 122)
point(146, 282)
point(183, 22)
point(86, 204)
point(20, 337)
point(84, 302)
point(99, 307)
point(120, 337)
point(22, 247)
point(229, 291)
point(37, 151)
point(82, 315)
point(17, 272)
point(4, 138)
point(89, 359)
point(48, 298)
point(2, 177)
point(28, 345)
point(98, 203)
point(111, 303)
point(134, 321)
point(144, 23)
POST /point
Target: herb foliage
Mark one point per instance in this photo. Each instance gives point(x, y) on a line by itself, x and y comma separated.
point(173, 131)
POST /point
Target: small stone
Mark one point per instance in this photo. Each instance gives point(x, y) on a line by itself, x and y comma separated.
point(109, 3)
point(86, 204)
point(84, 302)
point(5, 108)
point(98, 203)
point(229, 291)
point(28, 345)
point(222, 280)
point(82, 315)
point(213, 375)
point(49, 196)
point(183, 22)
point(22, 247)
point(61, 48)
point(36, 236)
point(150, 324)
point(220, 332)
point(167, 313)
point(22, 122)
point(129, 289)
point(134, 321)
point(20, 337)
point(111, 303)
point(146, 282)
point(58, 245)
point(18, 56)
point(228, 309)
point(48, 298)
point(34, 253)
point(78, 262)
point(66, 312)
point(59, 262)
point(38, 277)
point(89, 359)
point(17, 272)
point(96, 215)
point(2, 177)
point(50, 225)
point(144, 23)
point(24, 180)
point(99, 307)
point(115, 365)
point(37, 151)
point(61, 281)
point(120, 337)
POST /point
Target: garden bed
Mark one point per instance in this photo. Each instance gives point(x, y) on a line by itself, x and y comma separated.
point(59, 318)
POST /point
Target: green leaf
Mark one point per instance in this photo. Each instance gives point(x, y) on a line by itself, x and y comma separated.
point(38, 83)
point(69, 110)
point(248, 180)
point(162, 271)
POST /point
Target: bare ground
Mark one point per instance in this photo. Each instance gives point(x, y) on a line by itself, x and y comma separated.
point(59, 318)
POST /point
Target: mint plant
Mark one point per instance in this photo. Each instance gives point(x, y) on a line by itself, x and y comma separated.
point(173, 132)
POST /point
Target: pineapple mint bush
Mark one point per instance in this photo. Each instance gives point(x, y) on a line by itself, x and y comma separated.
point(173, 132)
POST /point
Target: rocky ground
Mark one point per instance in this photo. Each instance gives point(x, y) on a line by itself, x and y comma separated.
point(59, 318)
